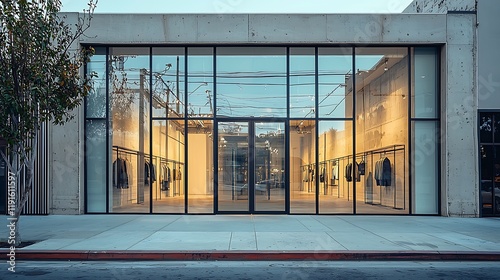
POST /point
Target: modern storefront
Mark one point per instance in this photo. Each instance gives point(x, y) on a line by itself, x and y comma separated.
point(263, 129)
point(348, 114)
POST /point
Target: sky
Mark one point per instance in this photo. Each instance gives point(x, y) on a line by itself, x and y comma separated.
point(240, 6)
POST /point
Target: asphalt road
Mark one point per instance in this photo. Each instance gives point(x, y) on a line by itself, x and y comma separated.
point(253, 270)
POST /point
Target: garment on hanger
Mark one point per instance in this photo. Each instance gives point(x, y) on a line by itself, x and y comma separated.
point(356, 172)
point(322, 175)
point(348, 172)
point(149, 173)
point(165, 177)
point(120, 173)
point(383, 172)
point(361, 168)
point(335, 173)
point(305, 174)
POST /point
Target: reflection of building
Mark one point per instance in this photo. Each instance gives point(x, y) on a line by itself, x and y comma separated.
point(361, 114)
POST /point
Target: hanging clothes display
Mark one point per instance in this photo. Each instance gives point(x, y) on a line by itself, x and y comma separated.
point(361, 168)
point(383, 172)
point(149, 173)
point(305, 174)
point(335, 173)
point(165, 177)
point(322, 175)
point(348, 172)
point(121, 169)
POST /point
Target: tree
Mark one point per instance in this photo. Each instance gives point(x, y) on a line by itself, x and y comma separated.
point(40, 83)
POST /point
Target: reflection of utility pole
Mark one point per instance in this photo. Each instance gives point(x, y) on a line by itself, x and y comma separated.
point(177, 88)
point(210, 101)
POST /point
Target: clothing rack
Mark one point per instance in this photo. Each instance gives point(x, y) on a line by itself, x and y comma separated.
point(391, 149)
point(311, 167)
point(162, 160)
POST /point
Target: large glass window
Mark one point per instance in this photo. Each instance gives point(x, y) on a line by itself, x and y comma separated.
point(425, 82)
point(335, 84)
point(489, 152)
point(337, 170)
point(354, 132)
point(424, 161)
point(200, 79)
point(251, 82)
point(129, 123)
point(168, 157)
point(302, 166)
point(96, 99)
point(95, 147)
point(168, 82)
point(302, 83)
point(382, 130)
point(200, 166)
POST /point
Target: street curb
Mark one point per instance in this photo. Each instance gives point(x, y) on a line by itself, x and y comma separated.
point(111, 255)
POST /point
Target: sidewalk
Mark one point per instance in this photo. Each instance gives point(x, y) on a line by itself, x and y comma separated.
point(256, 237)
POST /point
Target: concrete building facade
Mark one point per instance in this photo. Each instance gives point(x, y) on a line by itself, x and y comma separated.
point(286, 114)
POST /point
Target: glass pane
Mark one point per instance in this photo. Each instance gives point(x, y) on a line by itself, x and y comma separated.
point(496, 178)
point(168, 156)
point(425, 164)
point(302, 83)
point(336, 169)
point(302, 166)
point(382, 76)
point(200, 167)
point(486, 127)
point(233, 166)
point(425, 93)
point(200, 82)
point(269, 166)
point(488, 177)
point(96, 165)
point(335, 83)
point(129, 121)
point(381, 116)
point(96, 99)
point(251, 82)
point(168, 82)
point(496, 128)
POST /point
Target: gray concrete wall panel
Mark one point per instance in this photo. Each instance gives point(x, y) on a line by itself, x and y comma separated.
point(460, 29)
point(132, 28)
point(460, 139)
point(428, 29)
point(488, 54)
point(287, 28)
point(66, 167)
point(179, 28)
point(354, 28)
point(245, 29)
point(222, 28)
point(440, 6)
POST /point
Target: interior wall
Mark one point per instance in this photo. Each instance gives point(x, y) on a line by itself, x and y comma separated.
point(198, 159)
point(382, 121)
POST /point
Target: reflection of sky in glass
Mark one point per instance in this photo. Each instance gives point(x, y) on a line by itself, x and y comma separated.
point(302, 80)
point(200, 85)
point(251, 85)
point(332, 71)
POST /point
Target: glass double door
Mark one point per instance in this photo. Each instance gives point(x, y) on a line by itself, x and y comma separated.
point(251, 167)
